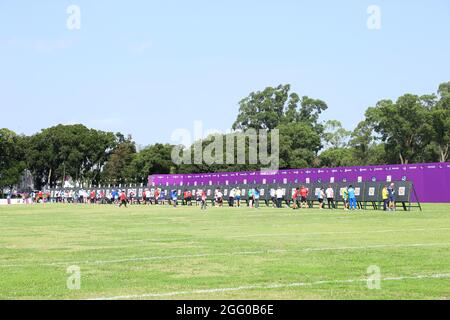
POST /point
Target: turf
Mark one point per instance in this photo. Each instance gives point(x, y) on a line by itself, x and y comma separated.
point(229, 253)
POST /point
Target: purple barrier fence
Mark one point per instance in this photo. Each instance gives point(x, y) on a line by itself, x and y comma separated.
point(431, 180)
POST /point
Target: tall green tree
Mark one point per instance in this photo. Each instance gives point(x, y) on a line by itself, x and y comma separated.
point(362, 140)
point(118, 170)
point(336, 153)
point(273, 106)
point(296, 118)
point(12, 156)
point(335, 135)
point(440, 114)
point(263, 109)
point(338, 157)
point(73, 150)
point(405, 126)
point(299, 144)
point(154, 159)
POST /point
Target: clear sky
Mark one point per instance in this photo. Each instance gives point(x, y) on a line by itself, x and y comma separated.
point(149, 67)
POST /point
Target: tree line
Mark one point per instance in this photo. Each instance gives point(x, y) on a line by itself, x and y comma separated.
point(412, 129)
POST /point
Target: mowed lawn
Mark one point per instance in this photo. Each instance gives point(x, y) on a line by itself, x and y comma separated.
point(148, 252)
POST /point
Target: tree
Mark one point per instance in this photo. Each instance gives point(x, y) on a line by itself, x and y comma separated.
point(311, 109)
point(154, 159)
point(362, 141)
point(73, 150)
point(296, 118)
point(405, 126)
point(366, 147)
point(440, 114)
point(299, 145)
point(336, 153)
point(262, 109)
point(338, 157)
point(99, 148)
point(271, 107)
point(118, 169)
point(335, 135)
point(12, 162)
point(412, 129)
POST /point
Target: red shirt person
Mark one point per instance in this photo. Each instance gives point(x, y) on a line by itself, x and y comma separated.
point(304, 194)
point(93, 195)
point(40, 196)
point(123, 199)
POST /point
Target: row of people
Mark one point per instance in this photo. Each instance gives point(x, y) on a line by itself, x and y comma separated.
point(158, 196)
point(347, 194)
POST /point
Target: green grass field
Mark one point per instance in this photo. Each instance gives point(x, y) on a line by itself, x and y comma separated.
point(239, 253)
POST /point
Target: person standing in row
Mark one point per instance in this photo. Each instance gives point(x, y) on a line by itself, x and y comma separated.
point(93, 197)
point(391, 191)
point(148, 195)
point(304, 192)
point(344, 195)
point(238, 197)
point(219, 198)
point(174, 197)
point(203, 197)
point(279, 195)
point(295, 199)
point(320, 196)
point(156, 196)
point(385, 198)
point(123, 199)
point(198, 197)
point(250, 198)
point(273, 197)
point(256, 196)
point(231, 197)
point(330, 197)
point(352, 197)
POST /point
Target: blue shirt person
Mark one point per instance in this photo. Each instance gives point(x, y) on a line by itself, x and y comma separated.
point(174, 196)
point(352, 197)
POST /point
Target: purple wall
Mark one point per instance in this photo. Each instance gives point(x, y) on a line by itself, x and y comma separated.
point(427, 178)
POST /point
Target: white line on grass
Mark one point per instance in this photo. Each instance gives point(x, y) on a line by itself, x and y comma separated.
point(330, 232)
point(269, 286)
point(224, 254)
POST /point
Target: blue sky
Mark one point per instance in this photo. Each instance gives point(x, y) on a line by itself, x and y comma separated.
point(150, 67)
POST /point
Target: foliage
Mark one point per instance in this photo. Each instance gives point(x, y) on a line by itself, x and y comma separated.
point(412, 129)
point(11, 158)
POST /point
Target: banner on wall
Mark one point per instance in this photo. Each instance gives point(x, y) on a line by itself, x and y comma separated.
point(427, 178)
